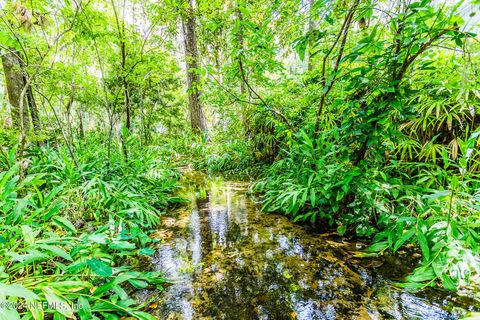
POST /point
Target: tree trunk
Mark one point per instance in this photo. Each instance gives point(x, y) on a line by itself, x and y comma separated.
point(240, 42)
point(197, 116)
point(69, 115)
point(142, 118)
point(123, 51)
point(125, 82)
point(311, 27)
point(15, 82)
point(32, 107)
point(240, 48)
point(71, 99)
point(81, 130)
point(123, 63)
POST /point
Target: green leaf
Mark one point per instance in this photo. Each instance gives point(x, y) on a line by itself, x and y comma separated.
point(59, 316)
point(109, 316)
point(57, 251)
point(122, 294)
point(116, 280)
point(422, 274)
point(70, 285)
point(143, 315)
point(312, 197)
point(379, 246)
point(84, 311)
point(146, 251)
point(454, 182)
point(28, 234)
point(301, 47)
point(121, 245)
point(29, 257)
point(448, 283)
point(99, 267)
point(422, 241)
point(65, 223)
point(139, 284)
point(15, 290)
point(458, 42)
point(8, 313)
point(36, 309)
point(405, 236)
point(61, 305)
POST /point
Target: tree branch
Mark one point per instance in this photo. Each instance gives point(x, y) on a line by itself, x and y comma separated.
point(275, 111)
point(231, 93)
point(343, 34)
point(422, 49)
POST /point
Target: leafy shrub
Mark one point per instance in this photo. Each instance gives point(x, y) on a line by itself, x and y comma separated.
point(438, 212)
point(234, 158)
point(434, 208)
point(70, 232)
point(317, 181)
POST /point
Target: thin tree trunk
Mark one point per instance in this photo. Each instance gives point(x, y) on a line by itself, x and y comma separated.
point(71, 99)
point(32, 106)
point(69, 115)
point(30, 98)
point(241, 42)
point(142, 118)
point(81, 131)
point(123, 62)
point(311, 27)
point(241, 48)
point(123, 51)
point(125, 83)
point(197, 116)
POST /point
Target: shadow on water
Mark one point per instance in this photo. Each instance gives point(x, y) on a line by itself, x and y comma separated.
point(227, 260)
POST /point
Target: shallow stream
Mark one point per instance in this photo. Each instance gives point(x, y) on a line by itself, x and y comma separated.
point(228, 260)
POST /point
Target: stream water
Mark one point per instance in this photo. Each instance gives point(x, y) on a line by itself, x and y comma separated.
point(228, 260)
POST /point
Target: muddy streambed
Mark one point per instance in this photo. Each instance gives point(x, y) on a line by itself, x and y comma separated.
point(228, 260)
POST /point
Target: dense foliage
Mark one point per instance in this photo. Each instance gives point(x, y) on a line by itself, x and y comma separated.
point(359, 116)
point(75, 234)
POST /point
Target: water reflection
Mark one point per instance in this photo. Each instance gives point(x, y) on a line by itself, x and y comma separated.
point(229, 261)
point(196, 240)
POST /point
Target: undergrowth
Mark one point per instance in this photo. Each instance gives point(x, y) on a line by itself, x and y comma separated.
point(433, 207)
point(73, 231)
